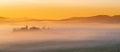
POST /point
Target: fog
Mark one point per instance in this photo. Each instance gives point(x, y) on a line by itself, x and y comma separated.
point(60, 35)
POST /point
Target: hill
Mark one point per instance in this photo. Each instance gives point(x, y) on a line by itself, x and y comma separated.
point(94, 19)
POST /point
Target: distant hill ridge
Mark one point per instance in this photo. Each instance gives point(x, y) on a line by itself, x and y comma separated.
point(91, 19)
point(95, 19)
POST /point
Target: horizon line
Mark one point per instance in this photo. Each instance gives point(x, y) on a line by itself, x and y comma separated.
point(29, 18)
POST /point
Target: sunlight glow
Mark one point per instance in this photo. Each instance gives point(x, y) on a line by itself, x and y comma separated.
point(58, 9)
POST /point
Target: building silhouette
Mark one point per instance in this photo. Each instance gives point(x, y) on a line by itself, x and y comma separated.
point(27, 28)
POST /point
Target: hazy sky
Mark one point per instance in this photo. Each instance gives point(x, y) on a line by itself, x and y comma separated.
point(57, 9)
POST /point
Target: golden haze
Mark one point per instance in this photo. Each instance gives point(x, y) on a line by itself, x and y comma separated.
point(57, 9)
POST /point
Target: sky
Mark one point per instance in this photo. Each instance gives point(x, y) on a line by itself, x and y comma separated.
point(57, 9)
